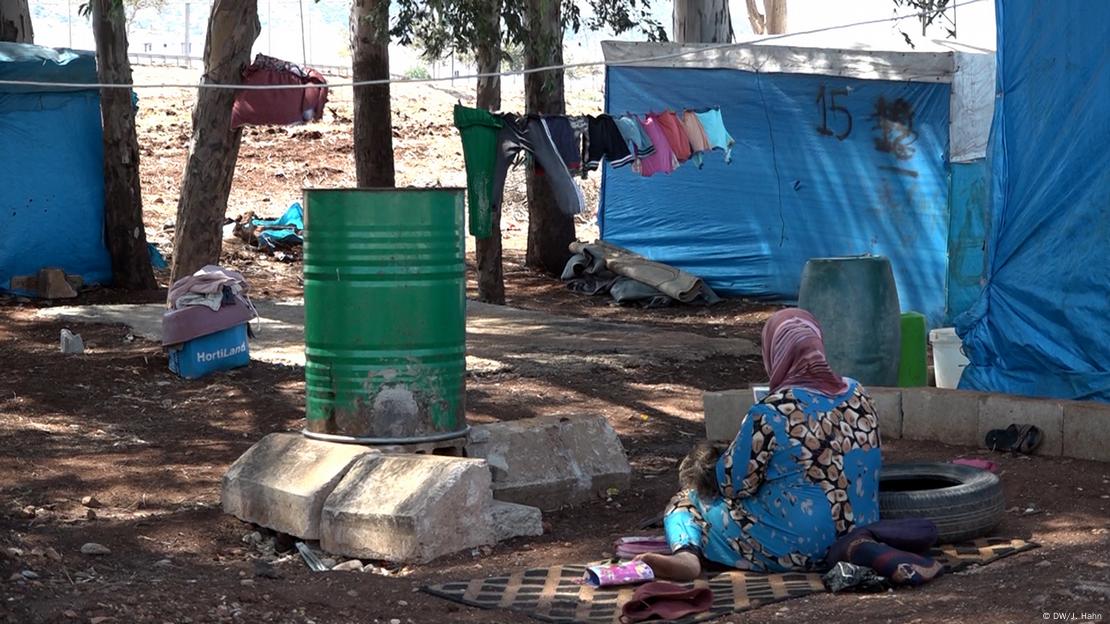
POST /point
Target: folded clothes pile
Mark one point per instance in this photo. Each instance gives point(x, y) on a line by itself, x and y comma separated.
point(601, 268)
point(205, 329)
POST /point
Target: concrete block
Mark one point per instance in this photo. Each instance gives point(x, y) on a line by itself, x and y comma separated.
point(282, 481)
point(948, 416)
point(49, 284)
point(1087, 430)
point(509, 520)
point(551, 461)
point(724, 411)
point(408, 508)
point(53, 285)
point(999, 411)
point(888, 407)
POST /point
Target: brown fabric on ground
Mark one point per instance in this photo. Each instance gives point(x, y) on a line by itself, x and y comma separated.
point(670, 281)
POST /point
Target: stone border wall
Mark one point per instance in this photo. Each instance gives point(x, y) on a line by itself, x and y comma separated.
point(1071, 428)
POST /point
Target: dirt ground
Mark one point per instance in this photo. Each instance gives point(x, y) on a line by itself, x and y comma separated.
point(114, 424)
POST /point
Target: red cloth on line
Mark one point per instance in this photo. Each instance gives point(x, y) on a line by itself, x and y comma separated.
point(676, 135)
point(278, 107)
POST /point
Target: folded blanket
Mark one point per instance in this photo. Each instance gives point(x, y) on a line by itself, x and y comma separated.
point(665, 601)
point(593, 258)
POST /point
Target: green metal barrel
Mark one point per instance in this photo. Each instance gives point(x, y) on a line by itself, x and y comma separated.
point(385, 315)
point(856, 301)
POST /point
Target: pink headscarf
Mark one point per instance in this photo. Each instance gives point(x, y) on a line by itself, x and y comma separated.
point(794, 354)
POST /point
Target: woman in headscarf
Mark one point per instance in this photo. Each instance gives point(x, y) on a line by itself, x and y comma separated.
point(802, 471)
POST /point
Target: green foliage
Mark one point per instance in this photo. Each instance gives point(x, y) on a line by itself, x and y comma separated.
point(443, 26)
point(417, 72)
point(512, 55)
point(131, 6)
point(930, 12)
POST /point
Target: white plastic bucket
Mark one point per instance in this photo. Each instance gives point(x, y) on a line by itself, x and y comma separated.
point(949, 360)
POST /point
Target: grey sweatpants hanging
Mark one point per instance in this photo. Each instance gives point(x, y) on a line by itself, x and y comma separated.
point(529, 134)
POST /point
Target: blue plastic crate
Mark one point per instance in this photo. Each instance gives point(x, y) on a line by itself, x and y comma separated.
point(223, 350)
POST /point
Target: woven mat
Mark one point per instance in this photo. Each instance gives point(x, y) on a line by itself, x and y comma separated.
point(554, 595)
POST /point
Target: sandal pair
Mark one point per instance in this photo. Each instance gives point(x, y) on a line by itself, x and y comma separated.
point(1016, 439)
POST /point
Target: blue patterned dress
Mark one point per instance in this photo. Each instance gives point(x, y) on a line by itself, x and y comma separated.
point(802, 471)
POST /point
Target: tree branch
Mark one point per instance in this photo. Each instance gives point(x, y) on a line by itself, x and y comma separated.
point(757, 19)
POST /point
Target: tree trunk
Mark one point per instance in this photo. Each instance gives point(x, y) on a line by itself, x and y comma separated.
point(772, 21)
point(232, 28)
point(487, 251)
point(703, 21)
point(776, 16)
point(123, 202)
point(757, 19)
point(15, 22)
point(550, 232)
point(373, 117)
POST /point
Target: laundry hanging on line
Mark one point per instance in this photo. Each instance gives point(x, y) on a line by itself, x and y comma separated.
point(561, 145)
point(278, 107)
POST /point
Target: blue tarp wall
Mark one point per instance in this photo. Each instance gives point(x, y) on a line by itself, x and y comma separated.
point(969, 204)
point(823, 166)
point(51, 167)
point(1040, 327)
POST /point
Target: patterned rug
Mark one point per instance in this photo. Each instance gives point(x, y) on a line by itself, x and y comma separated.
point(555, 595)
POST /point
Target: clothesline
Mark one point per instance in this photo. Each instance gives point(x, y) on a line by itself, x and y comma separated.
point(518, 72)
point(651, 143)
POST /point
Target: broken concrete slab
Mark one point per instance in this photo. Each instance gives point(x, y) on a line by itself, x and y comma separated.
point(1086, 434)
point(71, 343)
point(551, 461)
point(408, 508)
point(888, 407)
point(724, 411)
point(282, 482)
point(998, 411)
point(510, 520)
point(49, 283)
point(948, 416)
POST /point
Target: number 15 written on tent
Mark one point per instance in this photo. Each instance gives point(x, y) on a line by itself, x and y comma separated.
point(826, 100)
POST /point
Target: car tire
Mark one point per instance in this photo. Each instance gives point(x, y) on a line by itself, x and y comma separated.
point(964, 502)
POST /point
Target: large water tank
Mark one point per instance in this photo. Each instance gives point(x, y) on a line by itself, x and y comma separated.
point(385, 315)
point(856, 301)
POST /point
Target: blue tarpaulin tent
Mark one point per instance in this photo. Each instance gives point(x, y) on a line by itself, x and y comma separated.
point(838, 152)
point(1040, 327)
point(51, 166)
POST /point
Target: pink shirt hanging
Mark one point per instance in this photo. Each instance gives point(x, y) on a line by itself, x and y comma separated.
point(663, 160)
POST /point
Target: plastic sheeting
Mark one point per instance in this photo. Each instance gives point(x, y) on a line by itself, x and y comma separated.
point(19, 61)
point(969, 203)
point(51, 167)
point(970, 70)
point(823, 166)
point(1040, 326)
point(972, 106)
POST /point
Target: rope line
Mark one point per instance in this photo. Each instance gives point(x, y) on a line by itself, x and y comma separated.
point(520, 72)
